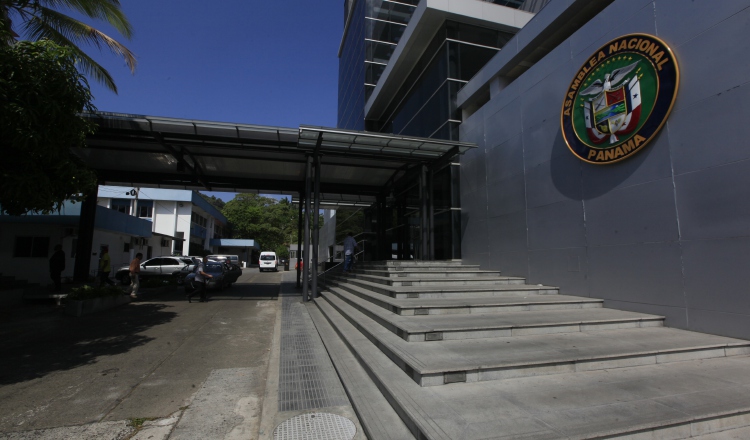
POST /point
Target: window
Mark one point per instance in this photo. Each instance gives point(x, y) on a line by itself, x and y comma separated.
point(31, 247)
point(121, 205)
point(145, 208)
point(199, 219)
point(153, 262)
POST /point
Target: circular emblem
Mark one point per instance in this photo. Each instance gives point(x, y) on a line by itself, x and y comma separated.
point(620, 98)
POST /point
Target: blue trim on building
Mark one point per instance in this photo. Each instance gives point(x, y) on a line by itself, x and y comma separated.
point(106, 220)
point(200, 202)
point(111, 220)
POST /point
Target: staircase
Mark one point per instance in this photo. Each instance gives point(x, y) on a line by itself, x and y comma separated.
point(441, 350)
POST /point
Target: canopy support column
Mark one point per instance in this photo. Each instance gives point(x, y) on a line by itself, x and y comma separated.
point(299, 239)
point(423, 215)
point(306, 260)
point(431, 214)
point(316, 230)
point(85, 237)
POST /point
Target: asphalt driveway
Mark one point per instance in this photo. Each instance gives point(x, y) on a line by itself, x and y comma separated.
point(144, 360)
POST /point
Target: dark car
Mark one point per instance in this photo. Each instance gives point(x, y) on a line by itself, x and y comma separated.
point(219, 281)
point(157, 267)
point(233, 272)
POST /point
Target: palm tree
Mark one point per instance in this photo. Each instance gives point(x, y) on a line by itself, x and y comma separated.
point(42, 20)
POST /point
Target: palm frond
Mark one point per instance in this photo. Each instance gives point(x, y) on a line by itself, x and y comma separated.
point(52, 24)
point(84, 62)
point(106, 10)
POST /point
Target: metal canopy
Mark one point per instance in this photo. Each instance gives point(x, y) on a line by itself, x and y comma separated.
point(136, 150)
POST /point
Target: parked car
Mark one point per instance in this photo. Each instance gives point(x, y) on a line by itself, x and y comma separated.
point(232, 259)
point(157, 266)
point(217, 269)
point(268, 261)
point(233, 272)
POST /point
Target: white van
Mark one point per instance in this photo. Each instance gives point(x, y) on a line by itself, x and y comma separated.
point(268, 261)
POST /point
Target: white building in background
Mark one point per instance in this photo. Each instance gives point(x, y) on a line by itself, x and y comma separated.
point(183, 222)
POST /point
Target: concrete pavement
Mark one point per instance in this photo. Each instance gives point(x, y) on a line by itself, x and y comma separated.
point(174, 369)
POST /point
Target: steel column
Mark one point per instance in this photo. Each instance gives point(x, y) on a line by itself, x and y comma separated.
point(423, 213)
point(306, 265)
point(85, 237)
point(316, 230)
point(431, 214)
point(299, 238)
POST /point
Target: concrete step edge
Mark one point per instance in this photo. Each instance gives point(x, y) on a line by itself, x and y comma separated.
point(378, 418)
point(445, 280)
point(408, 398)
point(384, 318)
point(397, 350)
point(482, 302)
point(473, 305)
point(400, 390)
point(506, 289)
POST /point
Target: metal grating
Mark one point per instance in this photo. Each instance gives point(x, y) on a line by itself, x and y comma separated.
point(317, 426)
point(307, 379)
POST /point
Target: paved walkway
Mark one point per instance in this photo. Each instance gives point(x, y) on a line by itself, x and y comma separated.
point(233, 368)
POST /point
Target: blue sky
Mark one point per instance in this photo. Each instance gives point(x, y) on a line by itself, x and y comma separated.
point(255, 62)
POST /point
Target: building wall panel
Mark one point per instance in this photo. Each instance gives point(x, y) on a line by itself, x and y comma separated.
point(666, 231)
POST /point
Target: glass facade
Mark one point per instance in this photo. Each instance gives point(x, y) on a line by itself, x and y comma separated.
point(373, 28)
point(372, 33)
point(421, 218)
point(425, 105)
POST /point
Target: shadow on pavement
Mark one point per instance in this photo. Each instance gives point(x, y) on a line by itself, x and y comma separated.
point(36, 340)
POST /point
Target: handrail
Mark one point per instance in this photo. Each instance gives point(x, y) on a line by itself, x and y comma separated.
point(338, 266)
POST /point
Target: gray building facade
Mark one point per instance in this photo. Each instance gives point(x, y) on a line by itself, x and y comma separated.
point(666, 231)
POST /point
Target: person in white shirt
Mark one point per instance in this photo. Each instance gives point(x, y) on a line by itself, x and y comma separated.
point(200, 281)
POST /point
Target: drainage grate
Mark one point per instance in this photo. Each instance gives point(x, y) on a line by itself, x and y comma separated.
point(307, 379)
point(316, 426)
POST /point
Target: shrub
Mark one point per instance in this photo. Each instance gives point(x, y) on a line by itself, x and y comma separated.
point(89, 292)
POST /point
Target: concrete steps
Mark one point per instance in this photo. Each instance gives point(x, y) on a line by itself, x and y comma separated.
point(440, 291)
point(418, 273)
point(520, 364)
point(473, 326)
point(438, 281)
point(469, 304)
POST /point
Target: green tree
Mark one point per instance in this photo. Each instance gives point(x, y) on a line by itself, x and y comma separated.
point(268, 221)
point(41, 19)
point(213, 200)
point(41, 97)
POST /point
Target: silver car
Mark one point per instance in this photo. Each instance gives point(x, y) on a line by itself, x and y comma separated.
point(158, 266)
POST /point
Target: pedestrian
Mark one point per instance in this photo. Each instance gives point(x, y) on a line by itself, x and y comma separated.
point(135, 270)
point(56, 266)
point(200, 281)
point(350, 245)
point(105, 267)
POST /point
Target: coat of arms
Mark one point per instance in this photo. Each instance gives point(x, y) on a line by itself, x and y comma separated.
point(619, 98)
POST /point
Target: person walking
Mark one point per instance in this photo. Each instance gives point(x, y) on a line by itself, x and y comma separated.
point(200, 281)
point(135, 270)
point(105, 267)
point(350, 245)
point(56, 266)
